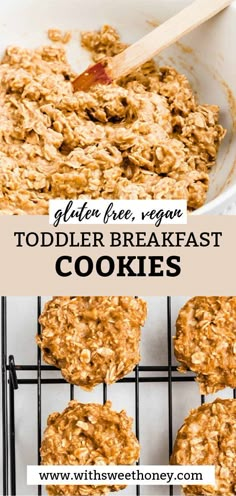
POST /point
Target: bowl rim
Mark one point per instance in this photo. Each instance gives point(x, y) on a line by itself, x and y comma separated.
point(217, 202)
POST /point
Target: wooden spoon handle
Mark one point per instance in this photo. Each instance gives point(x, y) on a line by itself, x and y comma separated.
point(164, 35)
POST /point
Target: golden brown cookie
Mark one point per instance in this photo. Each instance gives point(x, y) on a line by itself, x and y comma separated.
point(205, 341)
point(208, 437)
point(92, 339)
point(88, 434)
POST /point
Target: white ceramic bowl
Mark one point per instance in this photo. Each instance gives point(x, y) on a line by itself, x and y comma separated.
point(205, 56)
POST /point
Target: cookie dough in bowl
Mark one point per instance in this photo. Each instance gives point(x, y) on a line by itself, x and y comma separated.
point(92, 339)
point(146, 136)
point(205, 341)
point(208, 437)
point(88, 434)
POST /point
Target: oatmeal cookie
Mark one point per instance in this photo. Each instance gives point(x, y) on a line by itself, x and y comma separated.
point(143, 137)
point(208, 437)
point(205, 341)
point(92, 339)
point(88, 434)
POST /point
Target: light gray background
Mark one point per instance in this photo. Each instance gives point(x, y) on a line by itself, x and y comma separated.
point(231, 210)
point(22, 312)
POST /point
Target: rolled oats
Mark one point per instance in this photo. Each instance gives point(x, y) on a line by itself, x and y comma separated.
point(143, 137)
point(88, 434)
point(57, 35)
point(205, 341)
point(92, 339)
point(208, 437)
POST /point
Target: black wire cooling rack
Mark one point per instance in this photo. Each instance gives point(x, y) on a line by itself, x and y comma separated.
point(10, 383)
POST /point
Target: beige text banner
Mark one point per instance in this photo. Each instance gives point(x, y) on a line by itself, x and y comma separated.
point(31, 270)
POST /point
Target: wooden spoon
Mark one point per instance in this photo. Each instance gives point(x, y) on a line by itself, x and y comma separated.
point(150, 45)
